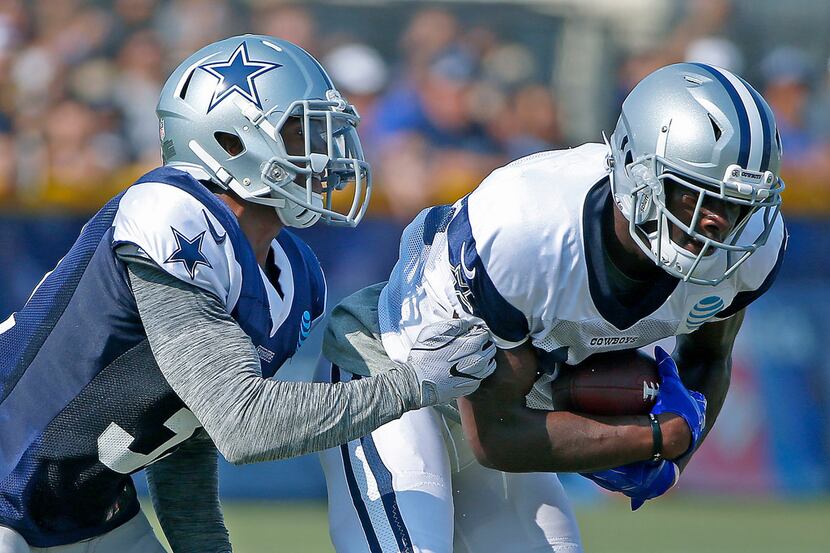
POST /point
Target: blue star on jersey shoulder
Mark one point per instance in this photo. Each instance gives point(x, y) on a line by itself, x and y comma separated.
point(189, 252)
point(237, 74)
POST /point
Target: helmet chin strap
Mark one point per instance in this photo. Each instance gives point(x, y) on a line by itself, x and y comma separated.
point(295, 215)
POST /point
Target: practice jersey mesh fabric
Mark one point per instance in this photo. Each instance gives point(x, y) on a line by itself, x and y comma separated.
point(404, 297)
point(31, 326)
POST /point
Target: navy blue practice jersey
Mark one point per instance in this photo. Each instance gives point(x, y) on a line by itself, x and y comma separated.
point(82, 401)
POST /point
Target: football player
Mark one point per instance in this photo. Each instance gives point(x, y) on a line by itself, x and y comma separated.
point(671, 228)
point(155, 337)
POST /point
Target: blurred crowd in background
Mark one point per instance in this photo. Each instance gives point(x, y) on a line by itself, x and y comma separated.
point(444, 99)
point(447, 92)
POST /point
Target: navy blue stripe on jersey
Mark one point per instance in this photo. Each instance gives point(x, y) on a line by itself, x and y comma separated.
point(383, 478)
point(308, 301)
point(740, 110)
point(598, 211)
point(743, 299)
point(300, 253)
point(354, 489)
point(766, 124)
point(473, 286)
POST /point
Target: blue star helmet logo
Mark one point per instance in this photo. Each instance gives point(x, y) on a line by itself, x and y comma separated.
point(237, 75)
point(189, 252)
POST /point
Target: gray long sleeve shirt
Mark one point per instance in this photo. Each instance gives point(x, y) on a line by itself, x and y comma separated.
point(213, 367)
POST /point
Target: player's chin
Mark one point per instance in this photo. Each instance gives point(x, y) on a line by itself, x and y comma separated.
point(695, 247)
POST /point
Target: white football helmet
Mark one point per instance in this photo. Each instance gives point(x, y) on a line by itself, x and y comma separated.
point(707, 130)
point(247, 89)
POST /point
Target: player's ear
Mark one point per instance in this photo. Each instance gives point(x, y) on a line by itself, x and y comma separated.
point(229, 142)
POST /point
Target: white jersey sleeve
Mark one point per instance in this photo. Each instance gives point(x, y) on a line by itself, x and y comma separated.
point(182, 236)
point(517, 234)
point(494, 257)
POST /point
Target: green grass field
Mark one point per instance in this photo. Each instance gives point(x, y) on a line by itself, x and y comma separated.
point(672, 526)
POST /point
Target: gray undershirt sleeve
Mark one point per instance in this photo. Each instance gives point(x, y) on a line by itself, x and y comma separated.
point(213, 367)
point(185, 491)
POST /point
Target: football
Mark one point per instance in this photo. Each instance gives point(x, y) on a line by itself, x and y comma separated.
point(613, 383)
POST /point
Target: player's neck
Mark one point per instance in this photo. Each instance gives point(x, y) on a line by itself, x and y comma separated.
point(259, 223)
point(622, 251)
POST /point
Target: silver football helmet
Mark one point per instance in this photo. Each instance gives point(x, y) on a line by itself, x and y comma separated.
point(247, 91)
point(705, 129)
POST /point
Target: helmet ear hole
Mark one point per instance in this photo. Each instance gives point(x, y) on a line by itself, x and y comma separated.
point(229, 142)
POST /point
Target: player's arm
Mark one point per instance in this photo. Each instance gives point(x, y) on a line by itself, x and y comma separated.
point(704, 359)
point(507, 435)
point(213, 367)
point(184, 488)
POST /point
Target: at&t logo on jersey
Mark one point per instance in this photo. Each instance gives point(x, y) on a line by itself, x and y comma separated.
point(305, 328)
point(704, 310)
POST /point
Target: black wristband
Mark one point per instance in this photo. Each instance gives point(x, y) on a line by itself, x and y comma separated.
point(657, 438)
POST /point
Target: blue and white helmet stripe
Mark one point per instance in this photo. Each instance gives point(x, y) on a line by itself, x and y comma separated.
point(755, 124)
point(769, 129)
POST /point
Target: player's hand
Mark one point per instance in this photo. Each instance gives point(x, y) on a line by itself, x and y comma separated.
point(675, 398)
point(639, 481)
point(451, 358)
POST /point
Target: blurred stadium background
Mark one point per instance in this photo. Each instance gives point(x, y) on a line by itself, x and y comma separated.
point(448, 91)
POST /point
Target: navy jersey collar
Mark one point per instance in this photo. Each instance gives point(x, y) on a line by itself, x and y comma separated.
point(598, 205)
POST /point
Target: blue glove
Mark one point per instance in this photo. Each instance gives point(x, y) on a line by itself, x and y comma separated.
point(639, 481)
point(675, 398)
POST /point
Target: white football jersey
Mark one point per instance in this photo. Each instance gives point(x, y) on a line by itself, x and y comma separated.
point(522, 254)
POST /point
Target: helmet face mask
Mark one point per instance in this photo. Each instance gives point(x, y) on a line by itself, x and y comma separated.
point(675, 134)
point(298, 135)
point(322, 155)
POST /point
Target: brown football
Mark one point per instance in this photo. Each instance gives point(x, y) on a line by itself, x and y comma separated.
point(613, 383)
